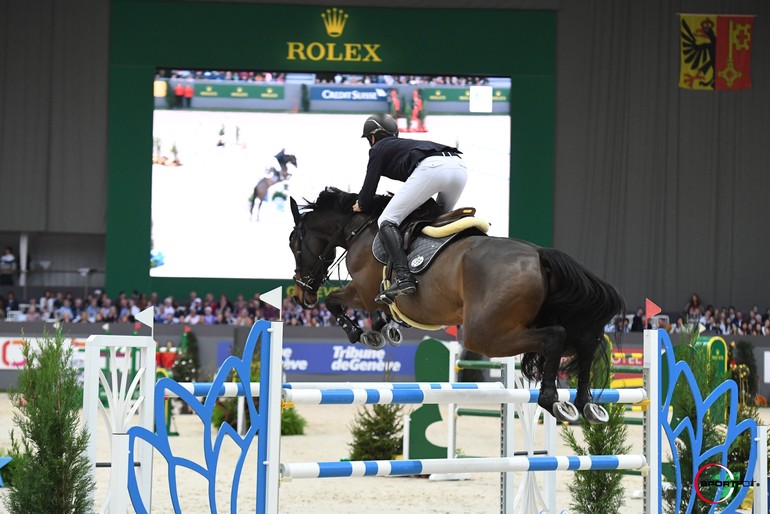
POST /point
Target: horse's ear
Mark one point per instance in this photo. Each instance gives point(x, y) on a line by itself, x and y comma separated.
point(294, 210)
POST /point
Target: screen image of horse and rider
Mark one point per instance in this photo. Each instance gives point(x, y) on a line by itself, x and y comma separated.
point(206, 165)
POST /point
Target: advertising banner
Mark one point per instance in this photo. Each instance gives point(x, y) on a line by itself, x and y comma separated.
point(353, 94)
point(11, 356)
point(443, 94)
point(337, 358)
point(240, 91)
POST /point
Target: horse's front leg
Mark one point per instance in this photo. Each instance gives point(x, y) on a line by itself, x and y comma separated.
point(336, 303)
point(379, 320)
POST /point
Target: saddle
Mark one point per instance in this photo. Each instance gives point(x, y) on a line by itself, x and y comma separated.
point(425, 237)
point(436, 226)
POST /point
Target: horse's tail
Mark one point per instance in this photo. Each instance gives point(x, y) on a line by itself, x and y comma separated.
point(580, 302)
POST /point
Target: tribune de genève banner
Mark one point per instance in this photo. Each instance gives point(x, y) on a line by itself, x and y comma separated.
point(345, 358)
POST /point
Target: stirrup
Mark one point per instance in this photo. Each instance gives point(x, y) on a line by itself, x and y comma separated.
point(384, 299)
point(389, 295)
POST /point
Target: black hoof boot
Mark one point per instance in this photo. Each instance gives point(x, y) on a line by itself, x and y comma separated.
point(352, 330)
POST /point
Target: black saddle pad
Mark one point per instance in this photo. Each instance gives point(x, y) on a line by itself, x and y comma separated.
point(422, 250)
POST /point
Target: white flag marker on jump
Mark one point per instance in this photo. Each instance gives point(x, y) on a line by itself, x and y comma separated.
point(274, 297)
point(147, 317)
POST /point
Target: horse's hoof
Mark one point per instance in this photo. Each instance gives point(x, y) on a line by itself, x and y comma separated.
point(565, 411)
point(392, 335)
point(595, 414)
point(373, 340)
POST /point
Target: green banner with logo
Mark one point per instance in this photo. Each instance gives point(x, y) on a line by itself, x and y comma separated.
point(461, 94)
point(501, 94)
point(239, 91)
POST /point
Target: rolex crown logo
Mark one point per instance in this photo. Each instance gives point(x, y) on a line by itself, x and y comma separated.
point(334, 20)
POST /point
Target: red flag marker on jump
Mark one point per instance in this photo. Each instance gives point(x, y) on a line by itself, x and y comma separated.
point(452, 331)
point(650, 308)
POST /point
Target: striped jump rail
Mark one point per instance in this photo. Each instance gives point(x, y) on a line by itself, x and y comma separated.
point(234, 389)
point(468, 364)
point(445, 396)
point(471, 465)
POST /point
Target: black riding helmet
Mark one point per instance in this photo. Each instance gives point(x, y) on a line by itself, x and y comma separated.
point(380, 125)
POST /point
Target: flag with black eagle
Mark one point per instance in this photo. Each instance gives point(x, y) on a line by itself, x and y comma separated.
point(715, 51)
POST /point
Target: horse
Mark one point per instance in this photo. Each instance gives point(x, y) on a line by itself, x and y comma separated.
point(511, 296)
point(273, 177)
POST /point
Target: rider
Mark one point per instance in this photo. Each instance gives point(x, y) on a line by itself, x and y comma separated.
point(426, 168)
point(284, 159)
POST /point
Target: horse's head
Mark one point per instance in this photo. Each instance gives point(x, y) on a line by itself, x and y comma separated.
point(314, 252)
point(325, 225)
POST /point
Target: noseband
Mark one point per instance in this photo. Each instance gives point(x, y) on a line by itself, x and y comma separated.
point(319, 274)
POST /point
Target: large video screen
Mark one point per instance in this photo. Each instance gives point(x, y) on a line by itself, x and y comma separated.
point(225, 144)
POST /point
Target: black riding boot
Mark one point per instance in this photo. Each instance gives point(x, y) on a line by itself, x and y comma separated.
point(394, 245)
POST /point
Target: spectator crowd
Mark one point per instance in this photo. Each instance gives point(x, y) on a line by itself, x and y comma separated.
point(323, 78)
point(723, 321)
point(98, 307)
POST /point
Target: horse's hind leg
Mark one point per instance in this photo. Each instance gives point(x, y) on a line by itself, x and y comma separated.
point(251, 203)
point(552, 349)
point(259, 207)
point(592, 412)
point(546, 341)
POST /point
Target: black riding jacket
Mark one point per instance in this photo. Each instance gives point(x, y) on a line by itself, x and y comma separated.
point(395, 158)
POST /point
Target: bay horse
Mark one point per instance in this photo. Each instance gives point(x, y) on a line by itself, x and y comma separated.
point(510, 296)
point(273, 177)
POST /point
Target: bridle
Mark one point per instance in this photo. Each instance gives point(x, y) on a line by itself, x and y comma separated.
point(319, 273)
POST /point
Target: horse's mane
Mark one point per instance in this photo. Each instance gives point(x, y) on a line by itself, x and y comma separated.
point(333, 199)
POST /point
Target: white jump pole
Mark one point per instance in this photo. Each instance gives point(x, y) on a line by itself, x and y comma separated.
point(451, 419)
point(269, 455)
point(760, 474)
point(549, 481)
point(507, 439)
point(653, 501)
point(122, 407)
